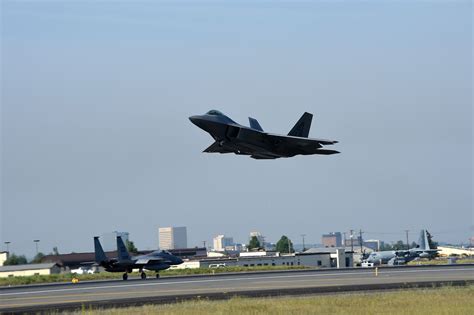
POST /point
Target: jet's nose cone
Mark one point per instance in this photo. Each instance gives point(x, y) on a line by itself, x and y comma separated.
point(199, 121)
point(195, 119)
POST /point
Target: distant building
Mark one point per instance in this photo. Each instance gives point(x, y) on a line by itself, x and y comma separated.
point(187, 253)
point(221, 243)
point(373, 244)
point(354, 242)
point(3, 257)
point(446, 251)
point(332, 239)
point(172, 237)
point(109, 240)
point(74, 260)
point(29, 270)
point(318, 258)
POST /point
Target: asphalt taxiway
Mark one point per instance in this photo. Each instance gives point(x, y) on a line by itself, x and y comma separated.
point(136, 292)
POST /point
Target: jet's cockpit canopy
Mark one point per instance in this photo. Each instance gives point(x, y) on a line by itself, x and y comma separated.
point(214, 112)
point(165, 252)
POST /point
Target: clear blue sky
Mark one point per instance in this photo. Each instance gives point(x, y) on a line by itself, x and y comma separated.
point(95, 135)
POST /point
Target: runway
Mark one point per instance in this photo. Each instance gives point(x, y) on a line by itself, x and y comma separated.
point(136, 292)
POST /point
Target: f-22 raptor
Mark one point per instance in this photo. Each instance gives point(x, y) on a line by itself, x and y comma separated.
point(231, 137)
point(156, 261)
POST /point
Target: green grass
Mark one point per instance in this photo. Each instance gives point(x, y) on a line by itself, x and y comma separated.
point(446, 300)
point(109, 275)
point(441, 261)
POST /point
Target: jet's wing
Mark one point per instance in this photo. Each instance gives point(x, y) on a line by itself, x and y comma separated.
point(299, 141)
point(262, 157)
point(302, 145)
point(216, 148)
point(148, 260)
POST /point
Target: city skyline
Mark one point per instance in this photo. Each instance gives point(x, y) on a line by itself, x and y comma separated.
point(390, 238)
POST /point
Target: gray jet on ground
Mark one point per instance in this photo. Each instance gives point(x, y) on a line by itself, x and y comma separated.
point(156, 261)
point(392, 257)
point(231, 137)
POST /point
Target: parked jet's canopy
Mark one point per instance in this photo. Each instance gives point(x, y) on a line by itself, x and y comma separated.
point(231, 137)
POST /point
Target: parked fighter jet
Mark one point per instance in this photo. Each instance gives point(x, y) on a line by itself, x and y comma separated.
point(422, 250)
point(231, 137)
point(156, 261)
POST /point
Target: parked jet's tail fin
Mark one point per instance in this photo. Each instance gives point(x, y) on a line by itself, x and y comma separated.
point(423, 241)
point(254, 124)
point(301, 129)
point(99, 252)
point(122, 250)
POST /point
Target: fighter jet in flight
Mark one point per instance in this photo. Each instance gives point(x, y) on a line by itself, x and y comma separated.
point(231, 137)
point(156, 261)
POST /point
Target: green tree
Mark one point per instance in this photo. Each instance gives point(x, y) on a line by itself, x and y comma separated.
point(131, 247)
point(37, 259)
point(55, 251)
point(433, 244)
point(254, 243)
point(15, 260)
point(399, 245)
point(385, 247)
point(284, 245)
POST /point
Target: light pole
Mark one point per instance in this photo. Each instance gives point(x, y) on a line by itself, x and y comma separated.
point(352, 241)
point(8, 248)
point(408, 244)
point(36, 242)
point(303, 235)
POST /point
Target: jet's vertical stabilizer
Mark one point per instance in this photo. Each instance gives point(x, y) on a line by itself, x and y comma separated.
point(122, 250)
point(301, 129)
point(423, 242)
point(254, 124)
point(99, 252)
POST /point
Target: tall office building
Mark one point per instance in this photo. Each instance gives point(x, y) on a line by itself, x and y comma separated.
point(332, 239)
point(109, 240)
point(172, 237)
point(220, 243)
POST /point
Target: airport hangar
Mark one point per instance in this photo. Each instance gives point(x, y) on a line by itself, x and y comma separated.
point(29, 270)
point(321, 257)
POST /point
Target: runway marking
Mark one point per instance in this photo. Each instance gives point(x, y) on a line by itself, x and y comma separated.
point(168, 290)
point(185, 291)
point(228, 279)
point(271, 284)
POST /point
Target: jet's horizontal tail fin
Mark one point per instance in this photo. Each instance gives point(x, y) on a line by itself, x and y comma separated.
point(301, 129)
point(122, 250)
point(254, 124)
point(99, 252)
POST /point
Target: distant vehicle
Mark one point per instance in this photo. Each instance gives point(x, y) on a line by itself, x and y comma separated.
point(231, 137)
point(217, 265)
point(366, 264)
point(82, 271)
point(156, 261)
point(399, 257)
